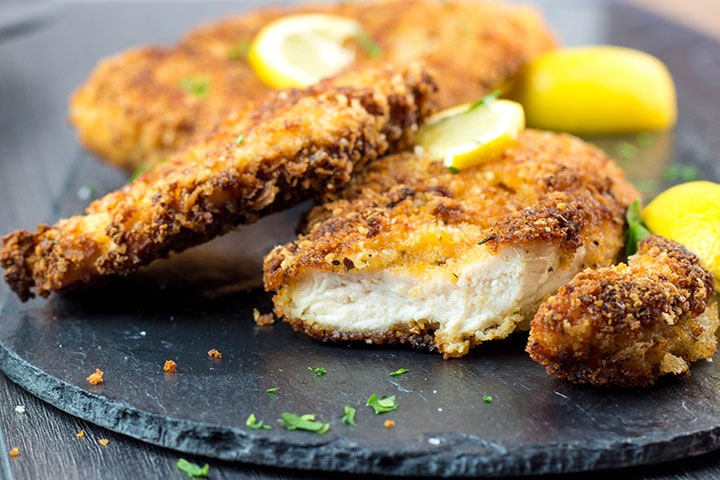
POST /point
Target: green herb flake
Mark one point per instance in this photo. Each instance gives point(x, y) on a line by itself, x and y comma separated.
point(319, 371)
point(486, 100)
point(680, 173)
point(138, 171)
point(272, 391)
point(305, 422)
point(239, 51)
point(198, 87)
point(255, 424)
point(453, 170)
point(398, 372)
point(626, 150)
point(382, 405)
point(349, 416)
point(240, 138)
point(371, 47)
point(192, 470)
point(487, 398)
point(636, 228)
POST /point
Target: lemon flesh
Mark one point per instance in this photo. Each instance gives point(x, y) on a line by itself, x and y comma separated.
point(469, 134)
point(690, 214)
point(299, 50)
point(597, 90)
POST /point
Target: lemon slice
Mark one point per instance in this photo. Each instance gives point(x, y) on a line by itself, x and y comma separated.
point(689, 213)
point(299, 50)
point(597, 90)
point(470, 134)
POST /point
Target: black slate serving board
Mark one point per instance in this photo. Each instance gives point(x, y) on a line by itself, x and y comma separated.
point(534, 424)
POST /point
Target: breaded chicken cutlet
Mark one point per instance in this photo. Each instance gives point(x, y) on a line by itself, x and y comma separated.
point(298, 144)
point(140, 105)
point(629, 324)
point(412, 253)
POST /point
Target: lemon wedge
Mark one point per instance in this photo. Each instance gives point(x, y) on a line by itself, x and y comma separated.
point(299, 50)
point(689, 213)
point(470, 134)
point(597, 90)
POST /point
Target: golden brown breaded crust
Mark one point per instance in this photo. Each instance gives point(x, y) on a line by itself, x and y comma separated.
point(473, 45)
point(298, 144)
point(549, 188)
point(410, 213)
point(139, 106)
point(132, 110)
point(628, 325)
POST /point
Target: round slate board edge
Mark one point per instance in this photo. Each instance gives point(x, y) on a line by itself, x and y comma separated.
point(454, 455)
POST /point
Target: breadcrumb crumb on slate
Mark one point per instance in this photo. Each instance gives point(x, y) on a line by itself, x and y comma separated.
point(170, 366)
point(214, 353)
point(80, 434)
point(104, 442)
point(628, 325)
point(95, 377)
point(15, 452)
point(263, 319)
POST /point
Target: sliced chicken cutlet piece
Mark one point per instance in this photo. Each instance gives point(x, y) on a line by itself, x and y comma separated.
point(412, 253)
point(301, 143)
point(630, 324)
point(135, 107)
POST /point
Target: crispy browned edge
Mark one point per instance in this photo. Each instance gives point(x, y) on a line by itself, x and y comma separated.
point(298, 144)
point(613, 326)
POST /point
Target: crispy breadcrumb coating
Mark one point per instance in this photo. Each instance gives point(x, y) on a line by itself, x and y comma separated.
point(298, 144)
point(420, 242)
point(628, 325)
point(133, 110)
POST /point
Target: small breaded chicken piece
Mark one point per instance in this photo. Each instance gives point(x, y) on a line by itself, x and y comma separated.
point(630, 324)
point(412, 253)
point(300, 143)
point(138, 106)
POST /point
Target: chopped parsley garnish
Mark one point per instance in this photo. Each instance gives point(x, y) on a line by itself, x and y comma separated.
point(272, 391)
point(240, 50)
point(369, 45)
point(681, 173)
point(398, 372)
point(192, 470)
point(486, 100)
point(636, 228)
point(487, 398)
point(349, 416)
point(199, 87)
point(453, 170)
point(240, 138)
point(138, 171)
point(626, 150)
point(319, 371)
point(382, 405)
point(304, 422)
point(255, 424)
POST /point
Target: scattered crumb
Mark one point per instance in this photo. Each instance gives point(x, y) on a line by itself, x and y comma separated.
point(15, 452)
point(80, 434)
point(264, 319)
point(389, 423)
point(95, 378)
point(104, 442)
point(20, 409)
point(434, 441)
point(214, 353)
point(170, 366)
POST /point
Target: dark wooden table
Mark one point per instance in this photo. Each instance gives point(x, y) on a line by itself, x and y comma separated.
point(47, 437)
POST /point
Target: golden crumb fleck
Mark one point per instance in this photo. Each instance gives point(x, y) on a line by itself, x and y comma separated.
point(95, 378)
point(80, 434)
point(214, 353)
point(104, 442)
point(389, 423)
point(15, 452)
point(263, 319)
point(170, 366)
